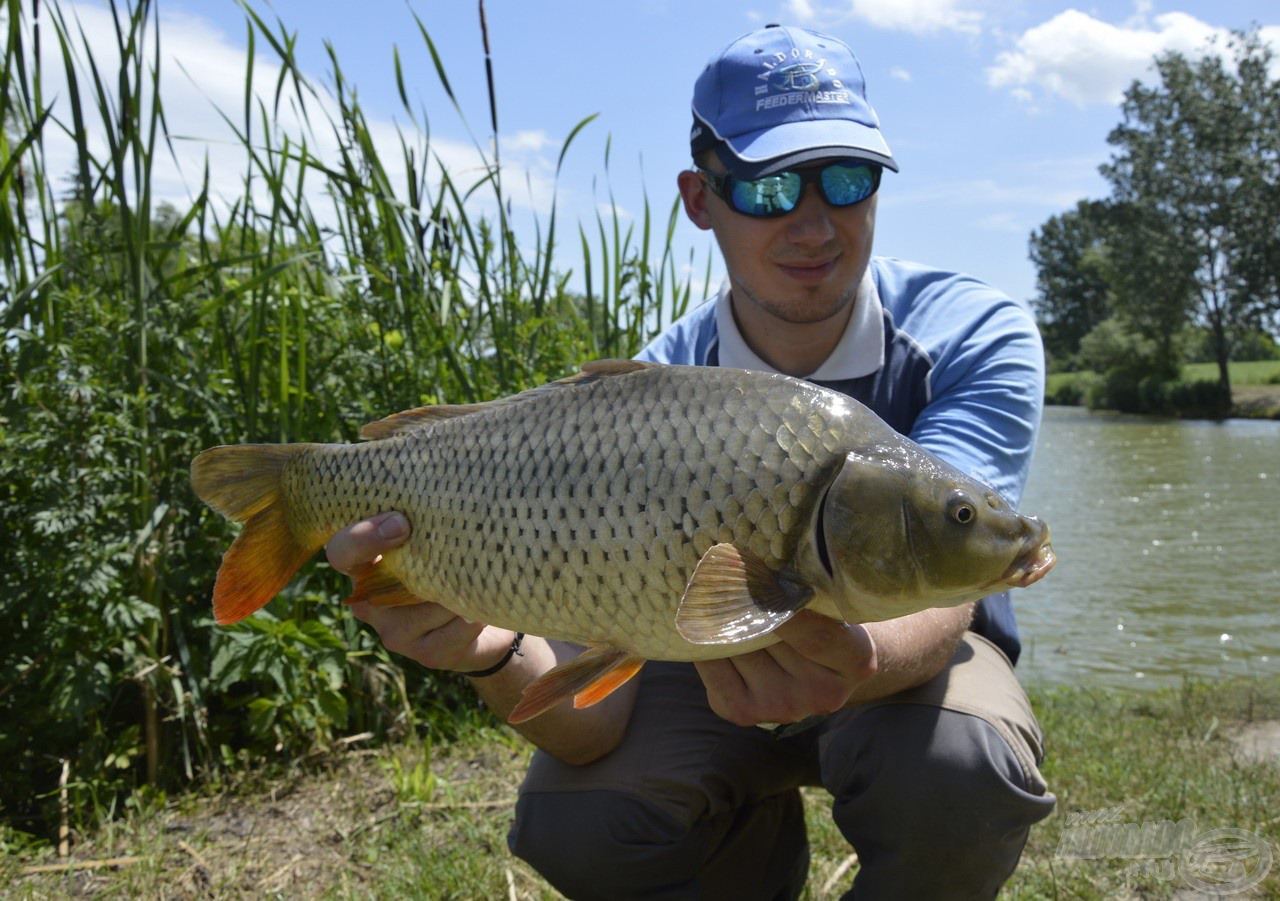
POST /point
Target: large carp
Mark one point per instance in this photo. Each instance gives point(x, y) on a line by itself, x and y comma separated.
point(647, 511)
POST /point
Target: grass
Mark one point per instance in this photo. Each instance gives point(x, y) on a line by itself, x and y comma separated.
point(1244, 373)
point(417, 821)
point(1247, 372)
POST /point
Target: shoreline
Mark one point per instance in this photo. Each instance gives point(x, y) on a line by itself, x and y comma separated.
point(1247, 402)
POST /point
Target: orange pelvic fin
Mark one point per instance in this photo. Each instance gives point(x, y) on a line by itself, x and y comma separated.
point(588, 678)
point(242, 482)
point(379, 587)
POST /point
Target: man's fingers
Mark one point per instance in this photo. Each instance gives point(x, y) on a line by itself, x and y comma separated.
point(359, 545)
point(434, 636)
point(812, 669)
point(840, 647)
point(727, 691)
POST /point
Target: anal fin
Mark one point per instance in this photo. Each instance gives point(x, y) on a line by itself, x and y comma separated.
point(588, 678)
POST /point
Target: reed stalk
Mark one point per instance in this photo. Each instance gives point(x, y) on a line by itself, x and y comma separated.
point(136, 332)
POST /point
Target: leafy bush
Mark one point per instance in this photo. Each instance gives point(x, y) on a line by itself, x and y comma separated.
point(132, 336)
point(1072, 390)
point(1198, 399)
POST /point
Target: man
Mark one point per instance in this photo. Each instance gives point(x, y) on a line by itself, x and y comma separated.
point(922, 735)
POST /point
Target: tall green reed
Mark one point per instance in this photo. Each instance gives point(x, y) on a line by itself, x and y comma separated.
point(136, 333)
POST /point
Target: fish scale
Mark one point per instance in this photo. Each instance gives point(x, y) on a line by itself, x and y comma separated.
point(651, 512)
point(517, 507)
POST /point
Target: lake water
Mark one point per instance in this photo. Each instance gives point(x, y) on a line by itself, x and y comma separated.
point(1168, 539)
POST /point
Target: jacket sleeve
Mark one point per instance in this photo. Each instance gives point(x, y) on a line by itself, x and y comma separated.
point(986, 389)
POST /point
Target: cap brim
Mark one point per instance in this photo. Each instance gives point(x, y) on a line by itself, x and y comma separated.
point(755, 155)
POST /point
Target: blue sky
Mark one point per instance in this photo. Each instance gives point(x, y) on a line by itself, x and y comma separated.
point(997, 112)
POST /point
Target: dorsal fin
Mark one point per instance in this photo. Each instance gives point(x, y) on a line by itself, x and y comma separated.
point(408, 420)
point(420, 417)
point(602, 368)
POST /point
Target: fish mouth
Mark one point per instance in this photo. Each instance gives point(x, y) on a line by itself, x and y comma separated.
point(1028, 572)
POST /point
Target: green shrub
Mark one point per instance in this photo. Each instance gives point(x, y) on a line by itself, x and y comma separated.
point(1198, 399)
point(133, 335)
point(1070, 391)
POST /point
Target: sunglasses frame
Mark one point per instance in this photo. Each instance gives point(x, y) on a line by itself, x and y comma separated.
point(722, 185)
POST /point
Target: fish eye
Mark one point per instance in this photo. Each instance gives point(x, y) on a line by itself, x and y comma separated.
point(962, 511)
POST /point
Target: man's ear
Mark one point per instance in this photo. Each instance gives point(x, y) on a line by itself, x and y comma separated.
point(694, 193)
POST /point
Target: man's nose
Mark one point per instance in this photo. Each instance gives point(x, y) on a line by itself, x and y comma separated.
point(810, 222)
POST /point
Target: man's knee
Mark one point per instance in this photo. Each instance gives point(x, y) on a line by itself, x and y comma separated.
point(944, 766)
point(614, 845)
point(603, 844)
point(923, 791)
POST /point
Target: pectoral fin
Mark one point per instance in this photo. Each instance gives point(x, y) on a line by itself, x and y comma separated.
point(588, 678)
point(734, 596)
point(379, 587)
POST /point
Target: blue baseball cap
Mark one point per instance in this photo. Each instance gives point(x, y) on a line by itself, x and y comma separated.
point(782, 97)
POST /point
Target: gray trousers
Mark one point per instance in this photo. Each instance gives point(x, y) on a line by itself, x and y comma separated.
point(935, 788)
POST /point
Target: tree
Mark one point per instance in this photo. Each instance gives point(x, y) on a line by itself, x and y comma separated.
point(1072, 288)
point(1196, 170)
point(1153, 283)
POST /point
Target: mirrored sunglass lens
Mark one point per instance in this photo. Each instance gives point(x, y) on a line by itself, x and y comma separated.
point(768, 196)
point(845, 185)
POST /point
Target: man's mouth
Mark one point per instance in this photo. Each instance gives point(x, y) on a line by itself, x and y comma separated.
point(809, 270)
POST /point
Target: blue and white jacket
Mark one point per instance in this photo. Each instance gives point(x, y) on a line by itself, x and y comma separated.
point(943, 358)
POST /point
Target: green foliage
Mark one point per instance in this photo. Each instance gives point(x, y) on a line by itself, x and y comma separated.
point(1190, 236)
point(1255, 344)
point(1132, 377)
point(133, 335)
point(1199, 155)
point(1198, 399)
point(1069, 392)
point(1072, 278)
point(414, 782)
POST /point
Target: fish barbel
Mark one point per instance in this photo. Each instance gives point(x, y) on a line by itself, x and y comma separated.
point(647, 511)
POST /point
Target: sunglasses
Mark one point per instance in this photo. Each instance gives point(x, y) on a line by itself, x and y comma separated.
point(841, 184)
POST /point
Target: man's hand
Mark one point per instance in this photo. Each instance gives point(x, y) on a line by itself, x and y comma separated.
point(440, 639)
point(426, 632)
point(815, 669)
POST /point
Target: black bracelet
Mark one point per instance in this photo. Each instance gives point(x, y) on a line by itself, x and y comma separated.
point(511, 652)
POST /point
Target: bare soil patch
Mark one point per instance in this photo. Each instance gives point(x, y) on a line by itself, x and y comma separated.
point(1256, 401)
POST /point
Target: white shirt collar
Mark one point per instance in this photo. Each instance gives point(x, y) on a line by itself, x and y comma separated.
point(859, 353)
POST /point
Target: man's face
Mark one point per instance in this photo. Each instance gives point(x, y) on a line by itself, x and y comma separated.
point(804, 267)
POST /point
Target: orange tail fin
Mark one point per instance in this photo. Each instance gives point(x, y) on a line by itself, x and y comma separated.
point(242, 482)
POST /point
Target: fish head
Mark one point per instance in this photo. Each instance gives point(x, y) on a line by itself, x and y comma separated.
point(904, 530)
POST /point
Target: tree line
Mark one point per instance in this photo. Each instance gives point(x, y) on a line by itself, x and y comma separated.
point(1183, 258)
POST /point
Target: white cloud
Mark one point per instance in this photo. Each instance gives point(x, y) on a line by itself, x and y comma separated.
point(918, 16)
point(606, 211)
point(915, 16)
point(801, 10)
point(1002, 222)
point(1021, 190)
point(1085, 60)
point(899, 73)
point(528, 142)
